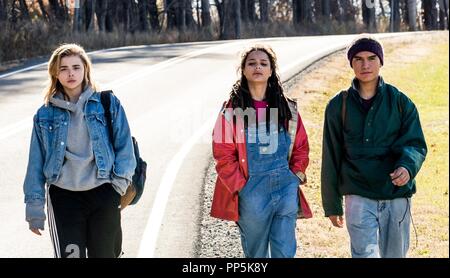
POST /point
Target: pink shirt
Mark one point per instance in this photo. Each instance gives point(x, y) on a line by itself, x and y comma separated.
point(260, 106)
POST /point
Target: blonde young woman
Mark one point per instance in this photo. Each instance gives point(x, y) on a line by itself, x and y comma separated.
point(74, 166)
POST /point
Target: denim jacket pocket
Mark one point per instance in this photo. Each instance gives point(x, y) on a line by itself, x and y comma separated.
point(49, 131)
point(101, 138)
point(97, 122)
point(100, 118)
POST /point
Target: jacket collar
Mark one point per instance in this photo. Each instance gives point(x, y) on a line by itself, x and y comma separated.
point(87, 95)
point(355, 84)
point(354, 88)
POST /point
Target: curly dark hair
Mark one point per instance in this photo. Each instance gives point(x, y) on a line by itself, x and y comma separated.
point(240, 95)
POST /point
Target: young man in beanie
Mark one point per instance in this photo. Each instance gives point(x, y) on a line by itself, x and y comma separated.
point(373, 148)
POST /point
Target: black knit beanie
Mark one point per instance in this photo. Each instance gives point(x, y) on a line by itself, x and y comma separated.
point(365, 44)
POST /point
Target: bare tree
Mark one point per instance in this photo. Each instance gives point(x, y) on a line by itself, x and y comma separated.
point(134, 16)
point(179, 14)
point(237, 18)
point(244, 11)
point(188, 14)
point(383, 12)
point(251, 11)
point(430, 14)
point(143, 9)
point(153, 13)
point(325, 9)
point(443, 14)
point(123, 15)
point(248, 12)
point(231, 25)
point(89, 11)
point(411, 8)
point(58, 11)
point(335, 9)
point(281, 11)
point(170, 8)
point(206, 14)
point(19, 11)
point(264, 11)
point(76, 25)
point(41, 7)
point(301, 12)
point(349, 11)
point(296, 12)
point(368, 14)
point(25, 14)
point(395, 15)
point(198, 12)
point(219, 7)
point(100, 12)
point(111, 14)
point(3, 10)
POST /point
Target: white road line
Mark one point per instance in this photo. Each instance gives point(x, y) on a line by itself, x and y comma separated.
point(22, 70)
point(12, 129)
point(170, 62)
point(151, 232)
point(89, 53)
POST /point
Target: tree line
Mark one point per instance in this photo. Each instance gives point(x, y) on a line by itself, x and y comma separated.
point(221, 19)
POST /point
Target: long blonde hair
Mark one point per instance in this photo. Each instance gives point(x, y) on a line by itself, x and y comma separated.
point(54, 63)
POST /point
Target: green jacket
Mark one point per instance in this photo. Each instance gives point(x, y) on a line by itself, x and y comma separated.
point(358, 158)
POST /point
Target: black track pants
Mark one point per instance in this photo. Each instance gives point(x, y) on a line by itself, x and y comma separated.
point(83, 221)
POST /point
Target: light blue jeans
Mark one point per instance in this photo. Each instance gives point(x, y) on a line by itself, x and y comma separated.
point(268, 203)
point(268, 213)
point(378, 228)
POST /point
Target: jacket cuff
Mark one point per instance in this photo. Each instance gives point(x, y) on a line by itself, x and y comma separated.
point(34, 199)
point(301, 176)
point(36, 224)
point(35, 214)
point(334, 212)
point(120, 184)
point(411, 176)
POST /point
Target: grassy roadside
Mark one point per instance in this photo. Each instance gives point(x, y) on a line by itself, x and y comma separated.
point(419, 67)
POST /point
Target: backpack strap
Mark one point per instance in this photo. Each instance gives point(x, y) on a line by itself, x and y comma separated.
point(105, 98)
point(344, 94)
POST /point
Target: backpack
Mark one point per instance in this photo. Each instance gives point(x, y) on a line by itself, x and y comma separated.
point(136, 188)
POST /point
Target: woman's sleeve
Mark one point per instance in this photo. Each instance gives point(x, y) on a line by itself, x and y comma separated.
point(226, 156)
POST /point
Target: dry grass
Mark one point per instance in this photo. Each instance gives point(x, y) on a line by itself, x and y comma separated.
point(418, 67)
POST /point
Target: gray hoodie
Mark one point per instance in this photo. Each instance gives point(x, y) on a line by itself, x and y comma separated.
point(79, 171)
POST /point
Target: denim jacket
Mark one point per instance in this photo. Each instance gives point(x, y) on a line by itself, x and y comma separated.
point(48, 147)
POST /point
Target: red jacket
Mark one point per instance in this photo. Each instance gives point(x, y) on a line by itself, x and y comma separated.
point(229, 151)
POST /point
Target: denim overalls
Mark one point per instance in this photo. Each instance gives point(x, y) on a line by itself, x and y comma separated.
point(268, 203)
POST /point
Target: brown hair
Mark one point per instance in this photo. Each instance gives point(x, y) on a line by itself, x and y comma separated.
point(54, 63)
point(240, 95)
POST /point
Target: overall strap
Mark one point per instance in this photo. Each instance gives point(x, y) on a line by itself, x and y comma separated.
point(292, 126)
